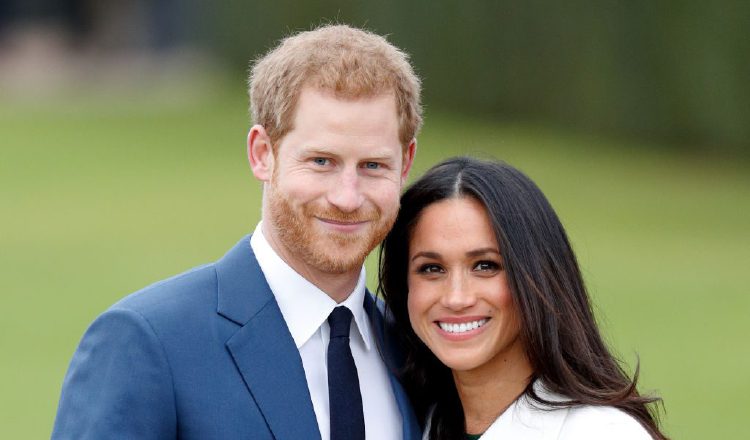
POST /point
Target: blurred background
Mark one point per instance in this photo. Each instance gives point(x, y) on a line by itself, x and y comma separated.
point(122, 161)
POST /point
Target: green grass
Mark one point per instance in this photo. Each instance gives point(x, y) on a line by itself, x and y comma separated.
point(101, 196)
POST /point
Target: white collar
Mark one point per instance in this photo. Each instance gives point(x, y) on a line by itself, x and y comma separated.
point(304, 306)
point(528, 419)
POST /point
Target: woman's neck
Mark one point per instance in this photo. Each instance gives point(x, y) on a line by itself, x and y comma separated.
point(488, 390)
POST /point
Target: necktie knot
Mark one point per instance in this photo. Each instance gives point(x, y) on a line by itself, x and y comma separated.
point(340, 320)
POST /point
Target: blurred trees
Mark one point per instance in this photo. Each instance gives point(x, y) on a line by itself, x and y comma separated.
point(673, 70)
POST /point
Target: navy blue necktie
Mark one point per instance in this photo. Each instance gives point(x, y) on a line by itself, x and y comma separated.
point(344, 396)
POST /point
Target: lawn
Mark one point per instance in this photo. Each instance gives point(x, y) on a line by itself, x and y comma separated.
point(101, 195)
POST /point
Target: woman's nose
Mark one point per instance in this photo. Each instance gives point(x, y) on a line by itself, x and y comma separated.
point(458, 295)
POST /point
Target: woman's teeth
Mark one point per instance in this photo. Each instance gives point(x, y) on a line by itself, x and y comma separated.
point(462, 327)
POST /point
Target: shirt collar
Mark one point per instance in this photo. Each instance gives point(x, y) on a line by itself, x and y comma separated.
point(304, 306)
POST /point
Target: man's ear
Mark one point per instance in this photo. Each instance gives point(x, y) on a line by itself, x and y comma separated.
point(260, 153)
point(409, 153)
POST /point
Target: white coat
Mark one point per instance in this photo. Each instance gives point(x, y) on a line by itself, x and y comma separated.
point(527, 420)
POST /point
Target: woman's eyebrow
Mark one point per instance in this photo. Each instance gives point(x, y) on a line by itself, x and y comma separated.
point(482, 251)
point(471, 253)
point(425, 254)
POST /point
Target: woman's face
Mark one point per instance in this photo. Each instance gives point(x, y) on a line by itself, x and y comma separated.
point(459, 302)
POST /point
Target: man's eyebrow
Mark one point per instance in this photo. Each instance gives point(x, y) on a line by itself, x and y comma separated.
point(384, 154)
point(317, 150)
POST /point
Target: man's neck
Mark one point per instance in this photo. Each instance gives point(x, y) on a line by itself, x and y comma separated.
point(337, 286)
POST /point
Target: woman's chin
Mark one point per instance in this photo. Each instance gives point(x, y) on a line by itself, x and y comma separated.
point(459, 361)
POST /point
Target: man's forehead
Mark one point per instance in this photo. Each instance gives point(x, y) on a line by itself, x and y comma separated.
point(367, 117)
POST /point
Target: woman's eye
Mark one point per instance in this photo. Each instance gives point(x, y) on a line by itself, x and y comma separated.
point(430, 268)
point(487, 266)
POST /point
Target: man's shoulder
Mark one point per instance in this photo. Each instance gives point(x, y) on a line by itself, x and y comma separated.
point(193, 295)
point(186, 290)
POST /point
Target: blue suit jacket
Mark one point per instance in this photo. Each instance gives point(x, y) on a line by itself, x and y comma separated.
point(203, 355)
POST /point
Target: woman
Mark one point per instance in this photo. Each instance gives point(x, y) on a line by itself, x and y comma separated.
point(496, 323)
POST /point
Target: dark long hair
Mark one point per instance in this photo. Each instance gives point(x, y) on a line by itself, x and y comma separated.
point(558, 329)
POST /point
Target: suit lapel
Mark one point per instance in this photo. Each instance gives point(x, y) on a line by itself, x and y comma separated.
point(263, 348)
point(392, 358)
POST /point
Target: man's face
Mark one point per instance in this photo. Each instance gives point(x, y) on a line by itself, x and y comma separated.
point(336, 180)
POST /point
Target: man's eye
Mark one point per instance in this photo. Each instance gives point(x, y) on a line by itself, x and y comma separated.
point(372, 165)
point(320, 161)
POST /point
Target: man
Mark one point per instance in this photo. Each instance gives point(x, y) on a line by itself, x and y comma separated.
point(279, 339)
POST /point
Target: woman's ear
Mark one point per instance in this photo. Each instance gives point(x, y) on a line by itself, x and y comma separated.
point(260, 153)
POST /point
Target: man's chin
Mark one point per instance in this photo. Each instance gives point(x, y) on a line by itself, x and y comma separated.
point(348, 241)
point(336, 266)
point(340, 260)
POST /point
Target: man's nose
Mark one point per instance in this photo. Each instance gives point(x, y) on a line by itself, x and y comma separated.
point(346, 193)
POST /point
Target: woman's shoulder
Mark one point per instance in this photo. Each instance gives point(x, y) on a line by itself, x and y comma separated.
point(596, 422)
point(529, 419)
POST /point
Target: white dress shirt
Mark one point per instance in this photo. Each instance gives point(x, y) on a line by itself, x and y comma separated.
point(305, 309)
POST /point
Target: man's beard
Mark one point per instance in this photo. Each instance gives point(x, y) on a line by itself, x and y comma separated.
point(327, 251)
